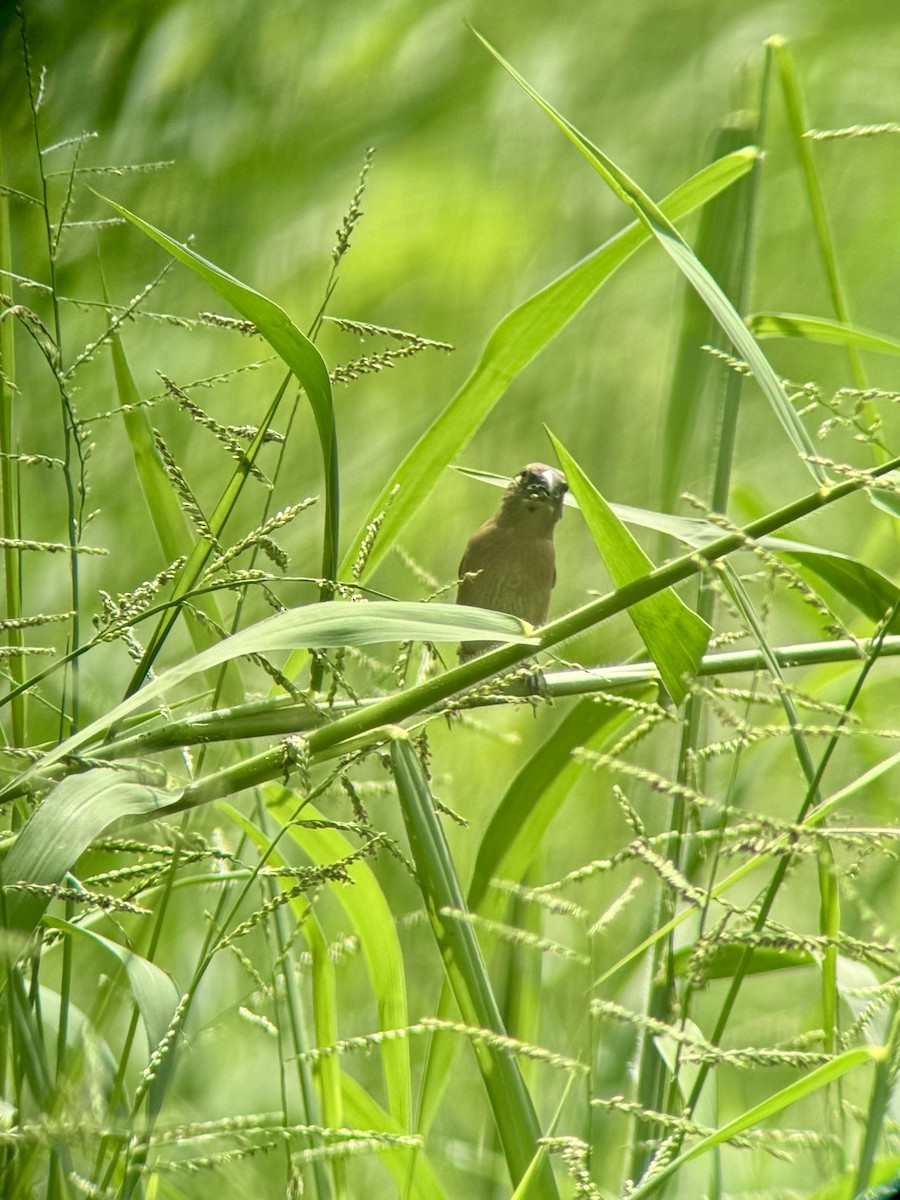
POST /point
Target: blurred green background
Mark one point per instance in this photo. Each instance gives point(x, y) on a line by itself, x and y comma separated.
point(473, 202)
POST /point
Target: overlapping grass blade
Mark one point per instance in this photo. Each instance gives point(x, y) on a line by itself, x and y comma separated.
point(333, 623)
point(687, 262)
point(818, 329)
point(513, 1111)
point(513, 344)
point(675, 636)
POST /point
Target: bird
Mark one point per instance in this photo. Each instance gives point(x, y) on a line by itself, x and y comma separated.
point(509, 564)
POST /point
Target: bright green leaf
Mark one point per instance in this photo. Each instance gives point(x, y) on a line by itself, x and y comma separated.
point(675, 637)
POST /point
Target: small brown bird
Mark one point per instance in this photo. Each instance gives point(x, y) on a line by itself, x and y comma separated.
point(513, 552)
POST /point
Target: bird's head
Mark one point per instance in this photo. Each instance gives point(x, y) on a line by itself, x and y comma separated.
point(537, 489)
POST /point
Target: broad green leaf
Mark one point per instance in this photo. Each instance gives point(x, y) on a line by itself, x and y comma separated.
point(675, 637)
point(373, 922)
point(61, 828)
point(513, 344)
point(817, 329)
point(155, 995)
point(514, 1115)
point(687, 262)
point(332, 623)
point(292, 346)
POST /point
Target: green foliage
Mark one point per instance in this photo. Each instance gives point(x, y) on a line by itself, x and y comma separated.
point(289, 904)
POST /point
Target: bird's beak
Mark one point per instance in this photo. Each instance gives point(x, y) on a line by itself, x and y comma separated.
point(554, 481)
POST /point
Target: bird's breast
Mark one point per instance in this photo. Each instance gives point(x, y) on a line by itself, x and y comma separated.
point(516, 575)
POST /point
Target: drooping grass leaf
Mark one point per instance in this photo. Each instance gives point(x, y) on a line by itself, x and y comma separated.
point(155, 995)
point(292, 346)
point(332, 623)
point(817, 329)
point(675, 636)
point(61, 828)
point(513, 344)
point(687, 262)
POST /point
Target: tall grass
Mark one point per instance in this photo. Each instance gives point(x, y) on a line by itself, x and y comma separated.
point(241, 951)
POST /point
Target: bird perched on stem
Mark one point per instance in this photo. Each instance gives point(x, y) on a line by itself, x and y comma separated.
point(510, 562)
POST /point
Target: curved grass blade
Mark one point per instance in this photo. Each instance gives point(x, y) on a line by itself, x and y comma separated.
point(817, 329)
point(61, 828)
point(513, 1111)
point(675, 636)
point(292, 346)
point(691, 267)
point(513, 344)
point(333, 623)
point(155, 995)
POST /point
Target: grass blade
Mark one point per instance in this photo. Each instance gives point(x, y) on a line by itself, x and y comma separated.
point(799, 1090)
point(333, 623)
point(688, 263)
point(514, 343)
point(292, 346)
point(61, 828)
point(817, 329)
point(514, 1114)
point(673, 634)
